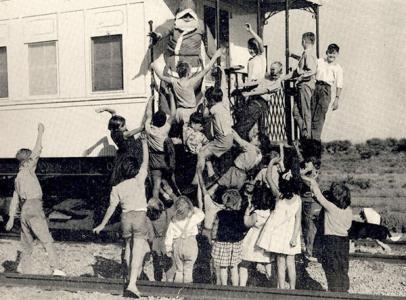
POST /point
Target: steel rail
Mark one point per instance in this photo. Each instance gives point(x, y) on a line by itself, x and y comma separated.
point(182, 291)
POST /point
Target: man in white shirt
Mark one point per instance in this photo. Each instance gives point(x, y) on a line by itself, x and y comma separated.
point(329, 74)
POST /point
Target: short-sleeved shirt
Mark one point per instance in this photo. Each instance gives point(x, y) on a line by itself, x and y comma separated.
point(130, 193)
point(337, 221)
point(157, 136)
point(249, 158)
point(329, 73)
point(185, 93)
point(27, 184)
point(257, 67)
point(222, 121)
point(193, 140)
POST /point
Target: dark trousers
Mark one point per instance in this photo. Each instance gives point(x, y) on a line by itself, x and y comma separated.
point(335, 262)
point(320, 103)
point(302, 108)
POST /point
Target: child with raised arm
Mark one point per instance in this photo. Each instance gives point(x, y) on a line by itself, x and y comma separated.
point(257, 63)
point(281, 232)
point(185, 86)
point(305, 83)
point(335, 243)
point(180, 240)
point(129, 148)
point(161, 150)
point(28, 196)
point(130, 194)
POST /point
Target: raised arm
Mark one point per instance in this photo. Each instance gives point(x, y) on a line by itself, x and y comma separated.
point(160, 74)
point(256, 37)
point(314, 187)
point(133, 132)
point(269, 177)
point(106, 109)
point(172, 116)
point(145, 153)
point(148, 114)
point(195, 80)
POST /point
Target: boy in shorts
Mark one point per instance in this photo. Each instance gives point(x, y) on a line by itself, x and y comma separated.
point(130, 194)
point(223, 136)
point(28, 194)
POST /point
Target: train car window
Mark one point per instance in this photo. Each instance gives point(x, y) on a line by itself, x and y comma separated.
point(43, 68)
point(3, 73)
point(107, 63)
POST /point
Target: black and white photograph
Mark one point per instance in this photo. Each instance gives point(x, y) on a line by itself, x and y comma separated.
point(202, 149)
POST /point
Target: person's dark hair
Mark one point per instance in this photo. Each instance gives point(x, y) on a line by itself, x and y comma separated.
point(311, 151)
point(333, 48)
point(309, 36)
point(253, 44)
point(288, 188)
point(214, 95)
point(116, 122)
point(339, 194)
point(182, 69)
point(262, 197)
point(196, 118)
point(159, 118)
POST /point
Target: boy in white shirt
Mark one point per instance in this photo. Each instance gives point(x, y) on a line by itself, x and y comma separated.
point(130, 194)
point(329, 74)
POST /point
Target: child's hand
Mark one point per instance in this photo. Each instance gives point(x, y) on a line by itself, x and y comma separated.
point(98, 229)
point(41, 127)
point(99, 110)
point(248, 27)
point(10, 224)
point(335, 104)
point(292, 242)
point(169, 254)
point(87, 152)
point(276, 160)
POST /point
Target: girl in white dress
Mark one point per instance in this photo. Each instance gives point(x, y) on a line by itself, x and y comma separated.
point(256, 66)
point(255, 217)
point(281, 232)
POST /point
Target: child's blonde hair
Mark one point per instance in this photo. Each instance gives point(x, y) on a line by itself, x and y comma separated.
point(183, 207)
point(23, 154)
point(232, 199)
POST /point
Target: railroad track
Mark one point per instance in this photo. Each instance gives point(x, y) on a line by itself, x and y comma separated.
point(182, 291)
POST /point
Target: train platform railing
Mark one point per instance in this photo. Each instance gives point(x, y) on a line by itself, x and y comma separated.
point(278, 120)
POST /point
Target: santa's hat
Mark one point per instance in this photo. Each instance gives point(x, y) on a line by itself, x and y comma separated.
point(185, 6)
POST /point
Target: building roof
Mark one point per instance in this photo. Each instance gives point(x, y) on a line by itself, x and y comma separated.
point(279, 5)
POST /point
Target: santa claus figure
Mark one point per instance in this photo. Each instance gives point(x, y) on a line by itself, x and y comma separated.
point(186, 43)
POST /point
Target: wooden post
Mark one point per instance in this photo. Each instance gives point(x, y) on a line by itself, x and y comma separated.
point(218, 23)
point(259, 18)
point(316, 11)
point(287, 34)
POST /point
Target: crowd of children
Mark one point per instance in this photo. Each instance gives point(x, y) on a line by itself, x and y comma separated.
point(250, 215)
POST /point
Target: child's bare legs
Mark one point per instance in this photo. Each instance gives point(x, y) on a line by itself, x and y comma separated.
point(135, 258)
point(218, 275)
point(281, 265)
point(156, 178)
point(268, 268)
point(290, 262)
point(235, 278)
point(243, 274)
point(224, 275)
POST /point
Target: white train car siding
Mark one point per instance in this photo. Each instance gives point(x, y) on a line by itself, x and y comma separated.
point(57, 36)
